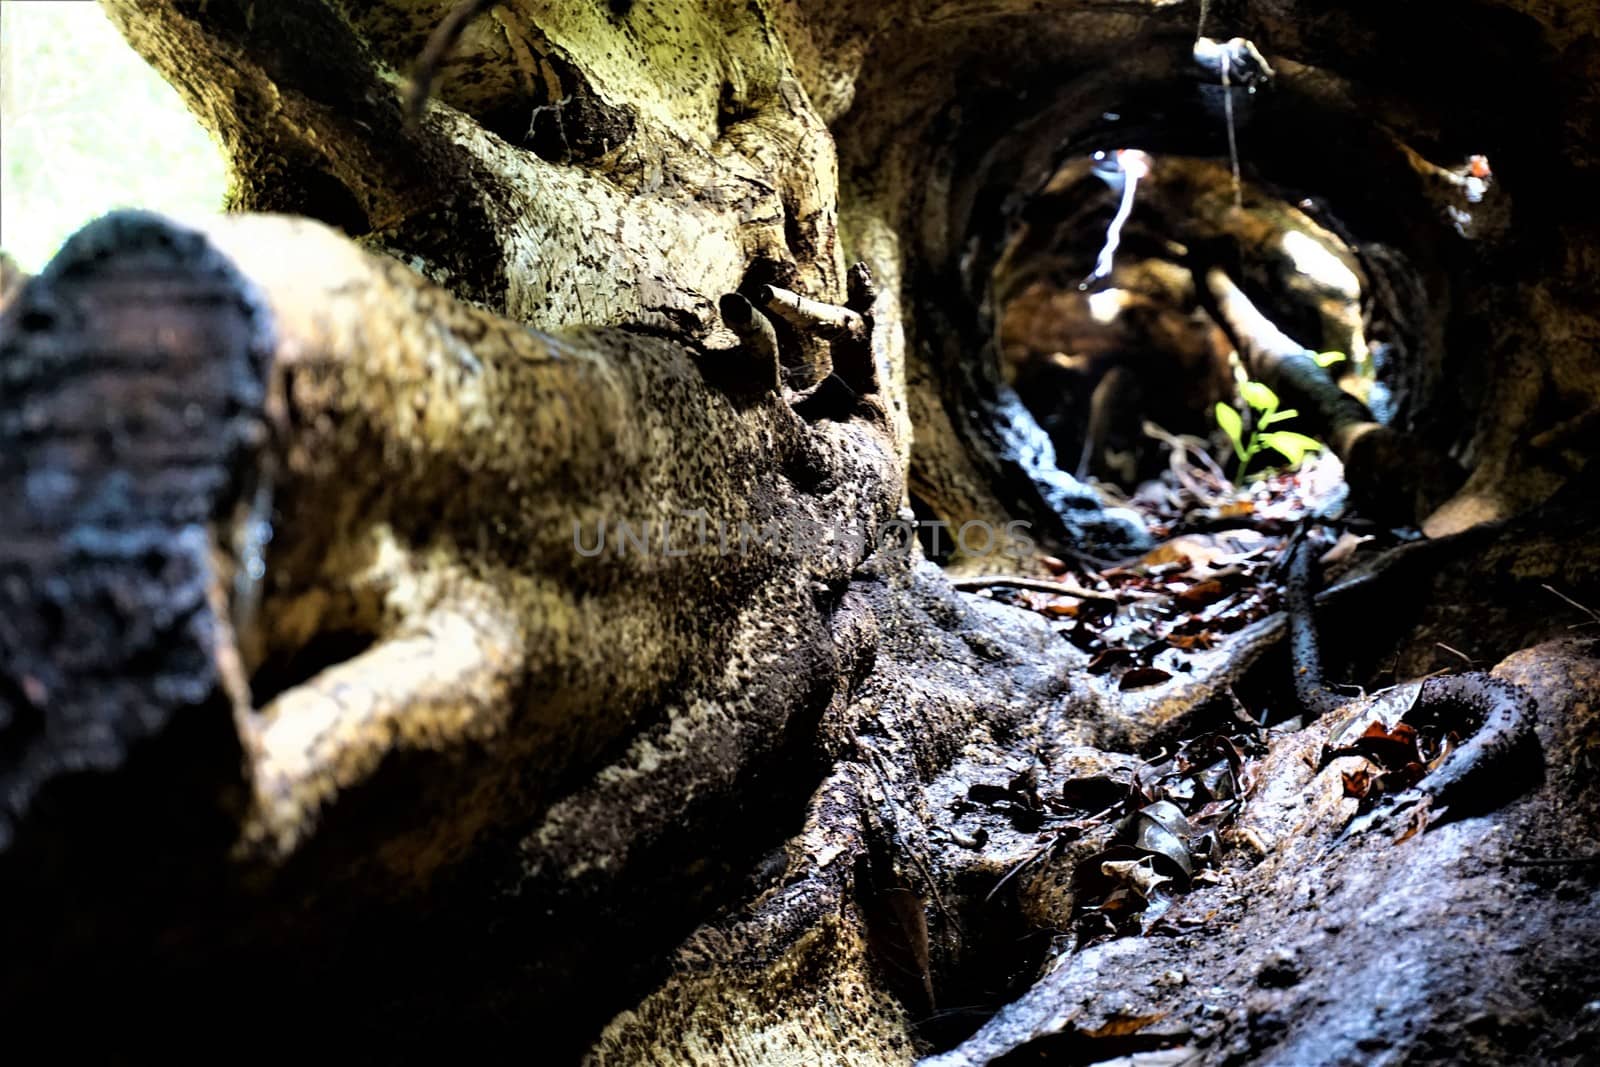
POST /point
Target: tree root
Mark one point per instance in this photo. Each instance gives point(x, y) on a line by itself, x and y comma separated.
point(1496, 718)
point(1305, 647)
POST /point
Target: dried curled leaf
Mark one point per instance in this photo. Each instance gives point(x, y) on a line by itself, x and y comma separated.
point(1140, 677)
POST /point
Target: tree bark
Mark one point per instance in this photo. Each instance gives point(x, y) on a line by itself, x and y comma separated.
point(440, 606)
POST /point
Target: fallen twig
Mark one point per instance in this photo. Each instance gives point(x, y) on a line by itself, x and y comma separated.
point(1594, 617)
point(1182, 470)
point(1551, 861)
point(1034, 585)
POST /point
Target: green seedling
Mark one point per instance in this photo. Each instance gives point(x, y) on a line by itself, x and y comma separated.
point(1263, 402)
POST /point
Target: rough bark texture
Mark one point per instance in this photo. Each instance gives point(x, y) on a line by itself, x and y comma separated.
point(314, 710)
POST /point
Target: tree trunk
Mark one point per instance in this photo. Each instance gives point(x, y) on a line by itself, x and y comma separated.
point(432, 613)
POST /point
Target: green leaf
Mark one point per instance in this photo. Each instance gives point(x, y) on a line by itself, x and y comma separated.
point(1292, 446)
point(1232, 425)
point(1258, 396)
point(1328, 359)
point(1277, 416)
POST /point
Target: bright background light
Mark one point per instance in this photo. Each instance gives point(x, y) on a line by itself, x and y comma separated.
point(87, 126)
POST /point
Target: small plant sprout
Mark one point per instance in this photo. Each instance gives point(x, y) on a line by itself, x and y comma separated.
point(1263, 402)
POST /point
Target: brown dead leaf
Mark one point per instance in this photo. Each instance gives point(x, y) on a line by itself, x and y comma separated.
point(1447, 745)
point(1112, 658)
point(1093, 793)
point(1124, 1025)
point(1191, 551)
point(1140, 677)
point(1138, 876)
point(1357, 783)
point(1167, 553)
point(1415, 824)
point(1192, 642)
point(1389, 748)
point(1344, 548)
point(1202, 593)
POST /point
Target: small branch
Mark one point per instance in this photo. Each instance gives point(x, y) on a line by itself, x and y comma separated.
point(857, 365)
point(438, 49)
point(1245, 65)
point(756, 334)
point(862, 287)
point(1035, 585)
point(812, 317)
point(11, 278)
point(1594, 616)
point(1568, 432)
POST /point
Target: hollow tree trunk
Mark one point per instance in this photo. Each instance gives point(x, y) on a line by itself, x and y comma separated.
point(330, 666)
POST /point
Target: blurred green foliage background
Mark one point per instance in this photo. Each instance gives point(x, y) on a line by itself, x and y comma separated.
point(87, 126)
